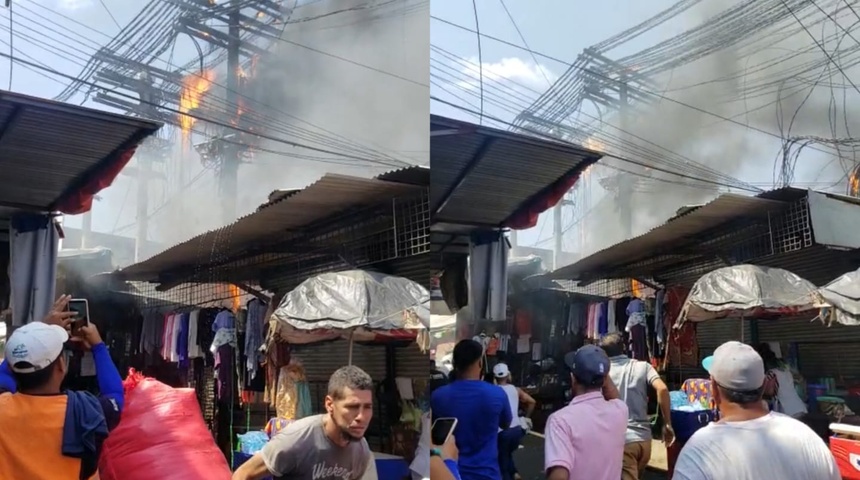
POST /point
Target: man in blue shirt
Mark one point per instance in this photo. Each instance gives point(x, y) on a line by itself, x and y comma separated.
point(480, 408)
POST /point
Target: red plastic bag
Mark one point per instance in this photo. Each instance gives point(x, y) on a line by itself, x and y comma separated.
point(161, 435)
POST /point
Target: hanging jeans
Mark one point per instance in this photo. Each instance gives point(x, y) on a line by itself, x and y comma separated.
point(509, 442)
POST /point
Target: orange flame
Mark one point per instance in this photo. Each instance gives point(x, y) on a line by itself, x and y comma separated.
point(193, 88)
point(853, 184)
point(236, 296)
point(636, 288)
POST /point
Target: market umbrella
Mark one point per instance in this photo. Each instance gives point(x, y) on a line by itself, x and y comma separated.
point(747, 291)
point(843, 299)
point(357, 301)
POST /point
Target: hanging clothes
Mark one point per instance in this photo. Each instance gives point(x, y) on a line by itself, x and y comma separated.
point(659, 320)
point(194, 350)
point(682, 347)
point(224, 319)
point(602, 319)
point(638, 345)
point(611, 322)
point(254, 335)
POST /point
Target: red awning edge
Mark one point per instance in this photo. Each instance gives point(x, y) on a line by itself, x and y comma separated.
point(81, 201)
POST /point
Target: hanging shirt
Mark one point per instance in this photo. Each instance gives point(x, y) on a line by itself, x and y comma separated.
point(612, 324)
point(194, 350)
point(602, 320)
point(224, 319)
point(254, 334)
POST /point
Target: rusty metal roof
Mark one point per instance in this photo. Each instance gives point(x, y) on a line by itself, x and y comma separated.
point(49, 149)
point(481, 176)
point(328, 196)
point(675, 231)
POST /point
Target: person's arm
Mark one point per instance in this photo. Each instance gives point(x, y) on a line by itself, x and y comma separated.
point(7, 381)
point(507, 415)
point(528, 401)
point(439, 469)
point(559, 454)
point(107, 375)
point(664, 402)
point(610, 391)
point(254, 469)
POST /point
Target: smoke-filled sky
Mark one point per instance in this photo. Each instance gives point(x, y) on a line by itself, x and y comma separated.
point(341, 75)
point(513, 78)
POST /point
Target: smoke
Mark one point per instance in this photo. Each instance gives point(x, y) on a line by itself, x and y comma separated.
point(346, 76)
point(724, 83)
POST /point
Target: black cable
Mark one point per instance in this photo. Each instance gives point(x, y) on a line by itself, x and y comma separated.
point(480, 56)
point(523, 39)
point(212, 121)
point(623, 159)
point(582, 68)
point(110, 14)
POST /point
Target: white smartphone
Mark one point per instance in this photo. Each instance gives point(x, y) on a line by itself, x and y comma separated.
point(82, 313)
point(441, 430)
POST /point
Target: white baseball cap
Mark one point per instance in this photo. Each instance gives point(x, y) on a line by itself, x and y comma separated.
point(36, 344)
point(736, 366)
point(501, 370)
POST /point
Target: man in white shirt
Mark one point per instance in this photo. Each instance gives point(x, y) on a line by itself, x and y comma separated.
point(749, 442)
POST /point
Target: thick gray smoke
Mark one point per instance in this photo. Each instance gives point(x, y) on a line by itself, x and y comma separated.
point(723, 84)
point(348, 76)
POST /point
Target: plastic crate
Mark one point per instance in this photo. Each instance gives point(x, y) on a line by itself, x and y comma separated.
point(847, 454)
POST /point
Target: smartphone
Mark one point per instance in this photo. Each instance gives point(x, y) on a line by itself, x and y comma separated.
point(442, 429)
point(82, 313)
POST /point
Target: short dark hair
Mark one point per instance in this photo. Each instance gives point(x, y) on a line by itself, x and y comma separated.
point(467, 353)
point(612, 344)
point(741, 397)
point(350, 377)
point(34, 380)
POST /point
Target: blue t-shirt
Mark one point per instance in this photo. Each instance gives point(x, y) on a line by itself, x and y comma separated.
point(481, 409)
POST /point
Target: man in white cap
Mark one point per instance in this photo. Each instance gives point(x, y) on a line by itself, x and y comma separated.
point(47, 433)
point(749, 442)
point(510, 438)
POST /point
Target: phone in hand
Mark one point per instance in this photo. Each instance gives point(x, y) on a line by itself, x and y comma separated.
point(81, 308)
point(441, 430)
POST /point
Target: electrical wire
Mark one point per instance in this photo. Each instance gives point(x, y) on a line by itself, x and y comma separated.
point(11, 42)
point(480, 56)
point(110, 14)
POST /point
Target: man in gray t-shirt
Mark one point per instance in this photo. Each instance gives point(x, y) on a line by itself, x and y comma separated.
point(632, 378)
point(330, 446)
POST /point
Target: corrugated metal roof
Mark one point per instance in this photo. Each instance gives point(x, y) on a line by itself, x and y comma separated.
point(49, 149)
point(713, 214)
point(328, 196)
point(482, 176)
point(413, 175)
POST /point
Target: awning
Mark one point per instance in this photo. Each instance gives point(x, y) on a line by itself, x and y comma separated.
point(57, 157)
point(669, 239)
point(488, 178)
point(328, 196)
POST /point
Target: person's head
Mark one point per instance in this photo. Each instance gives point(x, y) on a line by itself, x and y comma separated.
point(467, 360)
point(588, 368)
point(35, 355)
point(768, 356)
point(502, 373)
point(613, 344)
point(737, 375)
point(349, 402)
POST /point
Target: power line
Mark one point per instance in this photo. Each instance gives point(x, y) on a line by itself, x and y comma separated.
point(110, 14)
point(523, 38)
point(613, 80)
point(11, 42)
point(196, 117)
point(480, 55)
point(623, 159)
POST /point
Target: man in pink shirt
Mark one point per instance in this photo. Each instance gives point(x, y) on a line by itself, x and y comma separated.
point(585, 440)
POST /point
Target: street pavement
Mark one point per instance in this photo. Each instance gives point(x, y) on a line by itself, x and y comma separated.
point(529, 460)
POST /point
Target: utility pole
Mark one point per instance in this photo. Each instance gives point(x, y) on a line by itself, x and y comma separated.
point(625, 180)
point(557, 234)
point(229, 174)
point(144, 162)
